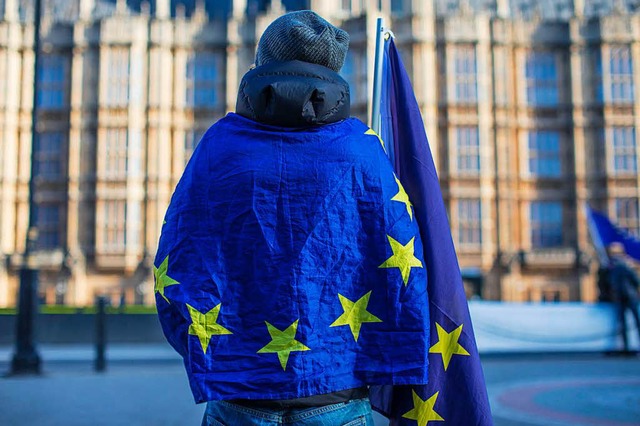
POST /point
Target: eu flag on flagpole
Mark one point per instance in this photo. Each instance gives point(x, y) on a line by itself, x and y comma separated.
point(605, 232)
point(456, 393)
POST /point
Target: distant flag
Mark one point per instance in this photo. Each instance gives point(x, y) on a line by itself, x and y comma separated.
point(456, 393)
point(604, 232)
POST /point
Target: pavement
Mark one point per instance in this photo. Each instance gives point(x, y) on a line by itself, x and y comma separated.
point(564, 390)
point(146, 385)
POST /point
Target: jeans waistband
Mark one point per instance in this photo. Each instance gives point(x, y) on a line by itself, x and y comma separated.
point(307, 402)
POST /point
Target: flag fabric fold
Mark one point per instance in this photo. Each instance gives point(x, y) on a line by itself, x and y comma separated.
point(605, 232)
point(456, 391)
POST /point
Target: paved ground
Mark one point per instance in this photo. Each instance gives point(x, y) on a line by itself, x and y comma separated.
point(147, 386)
point(564, 390)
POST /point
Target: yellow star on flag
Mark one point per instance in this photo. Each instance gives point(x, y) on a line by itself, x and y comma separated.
point(423, 412)
point(448, 345)
point(373, 133)
point(206, 325)
point(403, 258)
point(402, 197)
point(283, 343)
point(162, 279)
point(355, 314)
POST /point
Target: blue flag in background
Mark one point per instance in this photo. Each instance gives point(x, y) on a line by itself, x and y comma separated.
point(607, 233)
point(456, 392)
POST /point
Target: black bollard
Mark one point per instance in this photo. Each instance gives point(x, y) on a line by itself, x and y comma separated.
point(101, 335)
point(26, 359)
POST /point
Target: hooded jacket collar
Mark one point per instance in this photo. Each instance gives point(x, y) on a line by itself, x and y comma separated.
point(293, 94)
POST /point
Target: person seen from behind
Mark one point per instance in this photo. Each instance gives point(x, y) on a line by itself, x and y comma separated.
point(624, 289)
point(290, 273)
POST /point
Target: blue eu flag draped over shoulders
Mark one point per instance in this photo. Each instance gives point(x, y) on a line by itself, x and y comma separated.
point(290, 265)
point(456, 392)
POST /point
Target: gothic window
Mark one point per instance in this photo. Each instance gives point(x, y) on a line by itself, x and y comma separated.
point(624, 150)
point(49, 147)
point(466, 75)
point(621, 75)
point(469, 222)
point(592, 71)
point(544, 154)
point(542, 79)
point(626, 213)
point(468, 149)
point(114, 229)
point(52, 82)
point(398, 6)
point(546, 224)
point(202, 80)
point(118, 77)
point(116, 153)
point(49, 226)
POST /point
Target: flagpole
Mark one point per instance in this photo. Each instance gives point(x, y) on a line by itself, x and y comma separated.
point(377, 77)
point(595, 237)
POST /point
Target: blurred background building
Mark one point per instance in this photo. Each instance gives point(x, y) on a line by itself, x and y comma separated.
point(531, 107)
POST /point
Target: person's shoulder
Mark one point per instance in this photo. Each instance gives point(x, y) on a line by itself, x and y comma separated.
point(361, 137)
point(616, 266)
point(222, 128)
point(356, 126)
point(622, 269)
point(228, 121)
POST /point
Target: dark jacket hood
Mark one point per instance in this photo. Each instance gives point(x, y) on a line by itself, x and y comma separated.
point(293, 94)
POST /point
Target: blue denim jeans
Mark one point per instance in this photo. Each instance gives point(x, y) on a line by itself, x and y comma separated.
point(353, 413)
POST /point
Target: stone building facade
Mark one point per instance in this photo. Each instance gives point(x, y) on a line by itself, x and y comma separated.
point(532, 110)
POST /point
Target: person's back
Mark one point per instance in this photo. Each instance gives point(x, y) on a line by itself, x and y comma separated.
point(624, 283)
point(289, 271)
point(624, 289)
point(605, 292)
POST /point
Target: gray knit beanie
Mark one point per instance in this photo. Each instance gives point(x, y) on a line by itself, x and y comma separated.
point(303, 36)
